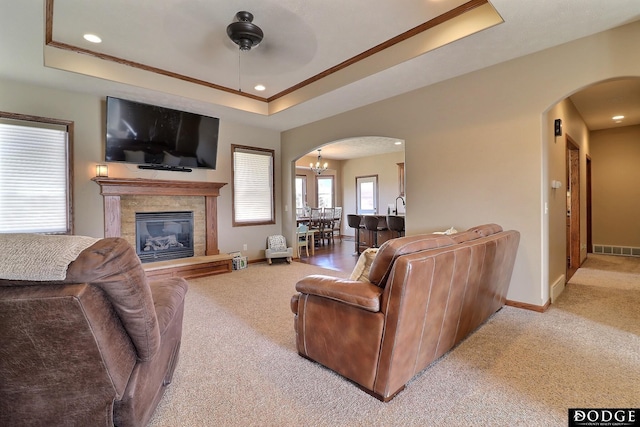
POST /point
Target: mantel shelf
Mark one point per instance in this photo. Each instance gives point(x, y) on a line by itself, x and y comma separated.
point(157, 187)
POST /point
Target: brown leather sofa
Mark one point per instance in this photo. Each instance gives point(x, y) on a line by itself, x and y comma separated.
point(426, 294)
point(95, 349)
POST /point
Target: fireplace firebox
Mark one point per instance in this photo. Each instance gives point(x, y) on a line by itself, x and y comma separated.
point(162, 236)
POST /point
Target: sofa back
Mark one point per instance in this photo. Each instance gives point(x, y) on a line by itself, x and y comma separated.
point(64, 354)
point(69, 347)
point(433, 298)
point(112, 266)
point(392, 249)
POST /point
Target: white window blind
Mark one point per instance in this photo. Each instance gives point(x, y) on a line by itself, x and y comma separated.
point(33, 178)
point(253, 182)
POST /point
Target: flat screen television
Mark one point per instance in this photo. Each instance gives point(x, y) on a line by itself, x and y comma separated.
point(158, 137)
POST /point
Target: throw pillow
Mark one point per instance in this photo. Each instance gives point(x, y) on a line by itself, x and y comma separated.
point(361, 270)
point(277, 243)
point(448, 232)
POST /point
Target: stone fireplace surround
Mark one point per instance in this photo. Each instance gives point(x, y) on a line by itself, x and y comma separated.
point(120, 194)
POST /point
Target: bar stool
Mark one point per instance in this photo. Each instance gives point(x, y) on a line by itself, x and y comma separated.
point(354, 222)
point(371, 224)
point(396, 223)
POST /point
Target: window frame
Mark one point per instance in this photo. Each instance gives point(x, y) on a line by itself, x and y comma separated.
point(271, 153)
point(333, 189)
point(69, 125)
point(304, 189)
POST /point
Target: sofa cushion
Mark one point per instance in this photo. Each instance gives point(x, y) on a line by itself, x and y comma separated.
point(277, 243)
point(392, 249)
point(363, 266)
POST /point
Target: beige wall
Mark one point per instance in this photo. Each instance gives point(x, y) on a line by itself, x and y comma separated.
point(615, 167)
point(87, 112)
point(385, 167)
point(476, 145)
point(573, 127)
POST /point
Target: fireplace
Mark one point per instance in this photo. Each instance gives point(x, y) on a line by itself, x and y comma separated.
point(162, 236)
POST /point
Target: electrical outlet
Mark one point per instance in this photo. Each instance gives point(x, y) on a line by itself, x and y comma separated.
point(244, 247)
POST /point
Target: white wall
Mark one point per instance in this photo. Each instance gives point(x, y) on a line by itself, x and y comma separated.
point(87, 113)
point(475, 145)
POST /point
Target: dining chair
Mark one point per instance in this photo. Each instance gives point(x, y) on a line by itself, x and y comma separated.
point(337, 222)
point(315, 222)
point(328, 217)
point(303, 239)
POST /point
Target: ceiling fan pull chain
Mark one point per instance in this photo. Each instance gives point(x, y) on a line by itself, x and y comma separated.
point(239, 73)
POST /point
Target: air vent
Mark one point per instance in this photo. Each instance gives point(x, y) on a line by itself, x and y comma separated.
point(616, 250)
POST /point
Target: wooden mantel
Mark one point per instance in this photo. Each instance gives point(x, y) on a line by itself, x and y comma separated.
point(112, 188)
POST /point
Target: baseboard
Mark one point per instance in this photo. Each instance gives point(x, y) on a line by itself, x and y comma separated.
point(526, 306)
point(557, 287)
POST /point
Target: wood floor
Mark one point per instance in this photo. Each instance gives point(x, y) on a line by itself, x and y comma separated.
point(337, 256)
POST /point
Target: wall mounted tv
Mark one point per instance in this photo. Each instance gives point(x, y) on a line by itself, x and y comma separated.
point(159, 138)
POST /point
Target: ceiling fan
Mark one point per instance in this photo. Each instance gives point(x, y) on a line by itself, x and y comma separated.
point(244, 32)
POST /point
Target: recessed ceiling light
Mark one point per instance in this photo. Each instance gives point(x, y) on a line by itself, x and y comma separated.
point(260, 87)
point(617, 117)
point(92, 38)
point(398, 143)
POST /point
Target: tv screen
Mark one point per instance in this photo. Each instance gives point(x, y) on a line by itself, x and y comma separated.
point(159, 137)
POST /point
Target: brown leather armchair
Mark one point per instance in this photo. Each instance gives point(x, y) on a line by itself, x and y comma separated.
point(95, 349)
point(425, 294)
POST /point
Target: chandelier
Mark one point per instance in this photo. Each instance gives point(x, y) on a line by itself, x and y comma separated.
point(319, 167)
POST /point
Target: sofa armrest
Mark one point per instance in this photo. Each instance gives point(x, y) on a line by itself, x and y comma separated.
point(168, 299)
point(358, 294)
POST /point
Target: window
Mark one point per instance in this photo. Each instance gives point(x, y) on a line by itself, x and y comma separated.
point(253, 184)
point(301, 191)
point(325, 191)
point(367, 194)
point(35, 175)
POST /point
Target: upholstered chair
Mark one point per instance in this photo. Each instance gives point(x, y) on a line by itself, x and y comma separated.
point(85, 340)
point(277, 248)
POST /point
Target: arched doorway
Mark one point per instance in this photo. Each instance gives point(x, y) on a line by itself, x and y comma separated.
point(347, 159)
point(589, 175)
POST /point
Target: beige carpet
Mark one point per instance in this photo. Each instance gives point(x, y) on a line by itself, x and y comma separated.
point(239, 367)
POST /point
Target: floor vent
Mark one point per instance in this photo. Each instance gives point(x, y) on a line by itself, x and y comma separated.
point(616, 250)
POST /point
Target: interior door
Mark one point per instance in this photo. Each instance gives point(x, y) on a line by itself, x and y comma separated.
point(367, 195)
point(573, 207)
